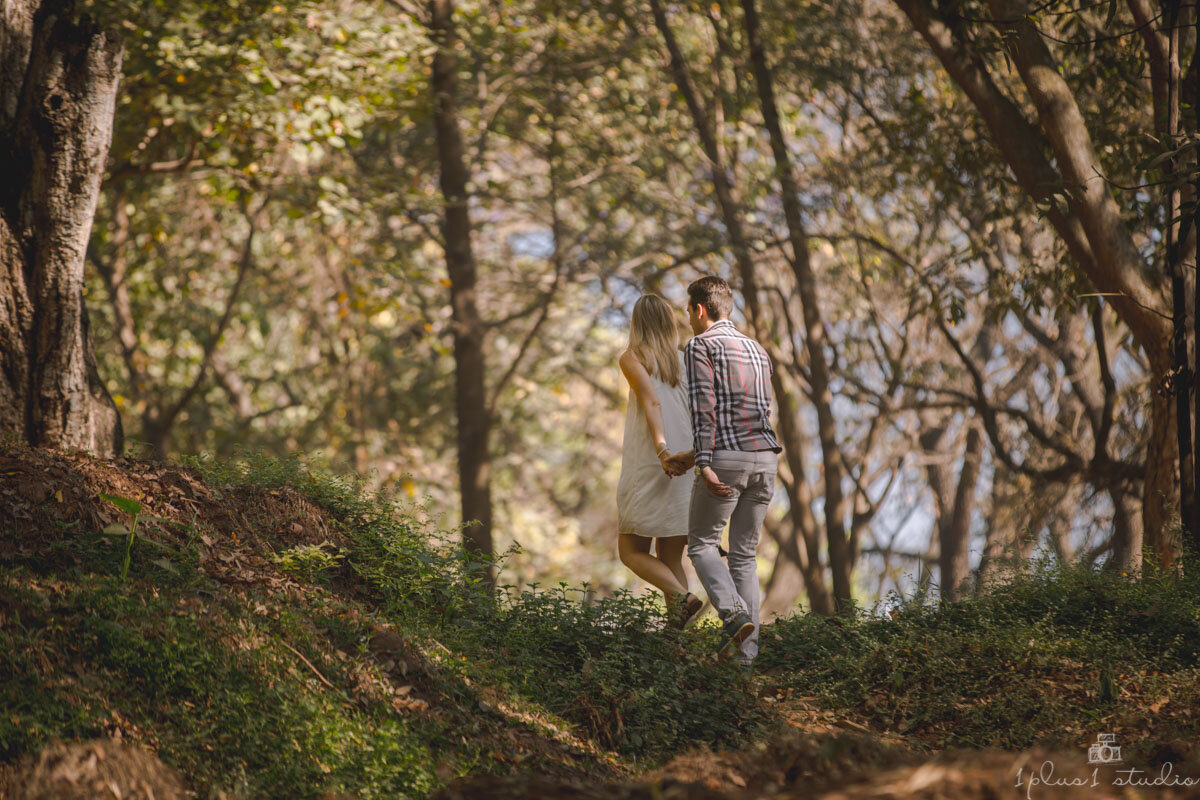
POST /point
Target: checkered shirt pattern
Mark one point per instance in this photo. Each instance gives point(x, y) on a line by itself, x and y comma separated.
point(729, 385)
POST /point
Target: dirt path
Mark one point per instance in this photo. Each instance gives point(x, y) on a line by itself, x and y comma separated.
point(826, 759)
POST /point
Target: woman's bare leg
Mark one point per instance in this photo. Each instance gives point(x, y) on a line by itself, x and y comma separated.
point(635, 554)
point(670, 552)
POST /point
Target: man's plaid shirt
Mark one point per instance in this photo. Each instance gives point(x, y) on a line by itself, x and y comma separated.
point(729, 384)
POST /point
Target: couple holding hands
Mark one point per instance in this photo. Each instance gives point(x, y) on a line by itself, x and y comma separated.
point(708, 408)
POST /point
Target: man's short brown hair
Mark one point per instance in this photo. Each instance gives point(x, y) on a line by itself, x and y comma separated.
point(714, 294)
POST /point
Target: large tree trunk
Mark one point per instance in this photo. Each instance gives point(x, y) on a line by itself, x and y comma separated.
point(1127, 537)
point(1090, 223)
point(1114, 250)
point(1163, 48)
point(474, 459)
point(58, 86)
point(841, 557)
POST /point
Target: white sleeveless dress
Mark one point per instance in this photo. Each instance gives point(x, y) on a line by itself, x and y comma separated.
point(650, 502)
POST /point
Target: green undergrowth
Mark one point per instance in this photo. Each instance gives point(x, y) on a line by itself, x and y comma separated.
point(1051, 657)
point(265, 683)
point(204, 679)
point(608, 666)
point(253, 663)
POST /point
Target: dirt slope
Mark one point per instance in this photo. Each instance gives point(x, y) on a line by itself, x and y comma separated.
point(48, 500)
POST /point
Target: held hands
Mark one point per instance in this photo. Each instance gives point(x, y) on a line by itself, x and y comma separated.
point(675, 464)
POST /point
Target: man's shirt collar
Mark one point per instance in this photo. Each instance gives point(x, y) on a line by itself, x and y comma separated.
point(718, 326)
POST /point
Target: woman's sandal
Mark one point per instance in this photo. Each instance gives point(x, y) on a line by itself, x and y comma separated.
point(685, 608)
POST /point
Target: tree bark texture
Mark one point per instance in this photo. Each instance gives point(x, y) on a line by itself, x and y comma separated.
point(58, 86)
point(474, 458)
point(1162, 45)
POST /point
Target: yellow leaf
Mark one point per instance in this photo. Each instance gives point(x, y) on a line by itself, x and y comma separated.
point(446, 282)
point(409, 487)
point(58, 495)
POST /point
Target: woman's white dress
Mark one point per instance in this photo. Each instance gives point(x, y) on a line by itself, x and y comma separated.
point(649, 502)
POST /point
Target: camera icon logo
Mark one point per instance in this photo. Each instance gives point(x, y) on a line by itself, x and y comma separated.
point(1104, 750)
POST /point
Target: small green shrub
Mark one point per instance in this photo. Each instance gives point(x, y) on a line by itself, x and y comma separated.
point(310, 562)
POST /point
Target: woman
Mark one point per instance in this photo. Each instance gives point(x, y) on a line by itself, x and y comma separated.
point(652, 501)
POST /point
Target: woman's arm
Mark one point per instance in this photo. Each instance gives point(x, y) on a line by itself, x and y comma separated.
point(639, 381)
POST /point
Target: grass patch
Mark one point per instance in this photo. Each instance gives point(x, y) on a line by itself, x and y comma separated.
point(1055, 654)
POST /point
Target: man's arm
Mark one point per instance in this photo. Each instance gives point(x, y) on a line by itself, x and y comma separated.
point(703, 399)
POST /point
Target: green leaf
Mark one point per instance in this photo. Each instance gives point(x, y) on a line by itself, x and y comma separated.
point(124, 503)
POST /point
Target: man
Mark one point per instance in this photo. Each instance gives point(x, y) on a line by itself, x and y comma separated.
point(736, 452)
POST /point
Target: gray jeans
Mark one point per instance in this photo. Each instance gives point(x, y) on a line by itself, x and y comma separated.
point(732, 588)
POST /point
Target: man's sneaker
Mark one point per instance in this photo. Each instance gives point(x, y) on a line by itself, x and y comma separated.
point(684, 608)
point(736, 631)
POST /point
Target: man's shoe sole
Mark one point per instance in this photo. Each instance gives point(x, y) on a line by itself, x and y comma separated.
point(742, 633)
point(739, 636)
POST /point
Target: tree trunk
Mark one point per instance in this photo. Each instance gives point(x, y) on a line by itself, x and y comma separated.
point(474, 459)
point(786, 583)
point(1088, 221)
point(841, 559)
point(1127, 534)
point(58, 86)
point(1113, 247)
point(1195, 365)
point(955, 506)
point(805, 530)
point(1160, 491)
point(1162, 46)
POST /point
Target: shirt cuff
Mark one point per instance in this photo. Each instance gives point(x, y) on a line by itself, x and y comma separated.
point(703, 459)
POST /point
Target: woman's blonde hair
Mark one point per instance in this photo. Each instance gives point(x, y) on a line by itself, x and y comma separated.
point(654, 338)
